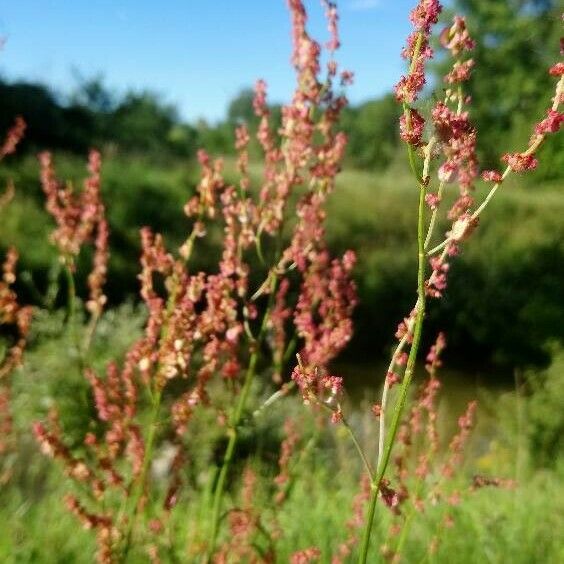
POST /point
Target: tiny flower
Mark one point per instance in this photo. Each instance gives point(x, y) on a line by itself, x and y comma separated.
point(411, 127)
point(460, 72)
point(347, 78)
point(520, 162)
point(305, 556)
point(463, 227)
point(557, 69)
point(492, 176)
point(433, 201)
point(14, 136)
point(425, 14)
point(401, 359)
point(551, 124)
point(447, 172)
point(456, 38)
point(408, 87)
point(392, 378)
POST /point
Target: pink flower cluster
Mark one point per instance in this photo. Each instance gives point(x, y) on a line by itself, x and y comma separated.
point(13, 137)
point(80, 218)
point(204, 326)
point(423, 16)
point(19, 317)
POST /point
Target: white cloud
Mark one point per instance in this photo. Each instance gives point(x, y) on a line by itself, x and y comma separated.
point(361, 5)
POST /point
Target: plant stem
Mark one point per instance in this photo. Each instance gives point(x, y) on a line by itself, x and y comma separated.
point(385, 391)
point(71, 318)
point(236, 419)
point(408, 521)
point(282, 392)
point(398, 410)
point(90, 331)
point(356, 442)
point(71, 296)
point(228, 456)
point(434, 216)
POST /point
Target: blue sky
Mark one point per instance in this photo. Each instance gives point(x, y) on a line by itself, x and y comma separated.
point(196, 53)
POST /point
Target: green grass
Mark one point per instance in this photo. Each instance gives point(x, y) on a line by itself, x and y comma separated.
point(523, 525)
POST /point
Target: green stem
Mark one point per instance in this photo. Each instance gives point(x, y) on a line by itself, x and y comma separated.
point(236, 421)
point(408, 522)
point(433, 221)
point(281, 393)
point(71, 316)
point(400, 404)
point(228, 456)
point(71, 296)
point(358, 446)
point(90, 331)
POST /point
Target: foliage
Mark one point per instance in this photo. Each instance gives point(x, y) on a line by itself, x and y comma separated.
point(178, 427)
point(545, 420)
point(477, 304)
point(372, 132)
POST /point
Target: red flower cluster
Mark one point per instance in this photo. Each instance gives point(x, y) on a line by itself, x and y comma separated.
point(13, 137)
point(520, 162)
point(210, 325)
point(458, 143)
point(456, 38)
point(423, 16)
point(11, 314)
point(412, 124)
point(76, 215)
point(80, 218)
point(492, 176)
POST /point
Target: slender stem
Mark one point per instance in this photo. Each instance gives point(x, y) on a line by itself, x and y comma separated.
point(282, 392)
point(155, 393)
point(90, 331)
point(408, 521)
point(398, 410)
point(352, 435)
point(71, 319)
point(272, 281)
point(404, 532)
point(439, 247)
point(359, 448)
point(404, 340)
point(385, 391)
point(71, 296)
point(434, 215)
point(230, 450)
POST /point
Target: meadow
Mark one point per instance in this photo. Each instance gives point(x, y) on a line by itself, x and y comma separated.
point(518, 432)
point(273, 355)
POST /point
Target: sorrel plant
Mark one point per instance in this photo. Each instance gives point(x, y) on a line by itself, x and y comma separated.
point(275, 294)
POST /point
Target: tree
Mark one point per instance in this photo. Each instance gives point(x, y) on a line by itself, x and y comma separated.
point(241, 110)
point(372, 129)
point(142, 122)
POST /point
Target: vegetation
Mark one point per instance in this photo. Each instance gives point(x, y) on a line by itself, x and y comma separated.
point(159, 372)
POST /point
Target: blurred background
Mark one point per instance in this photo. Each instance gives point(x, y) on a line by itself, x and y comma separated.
point(149, 87)
point(149, 84)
